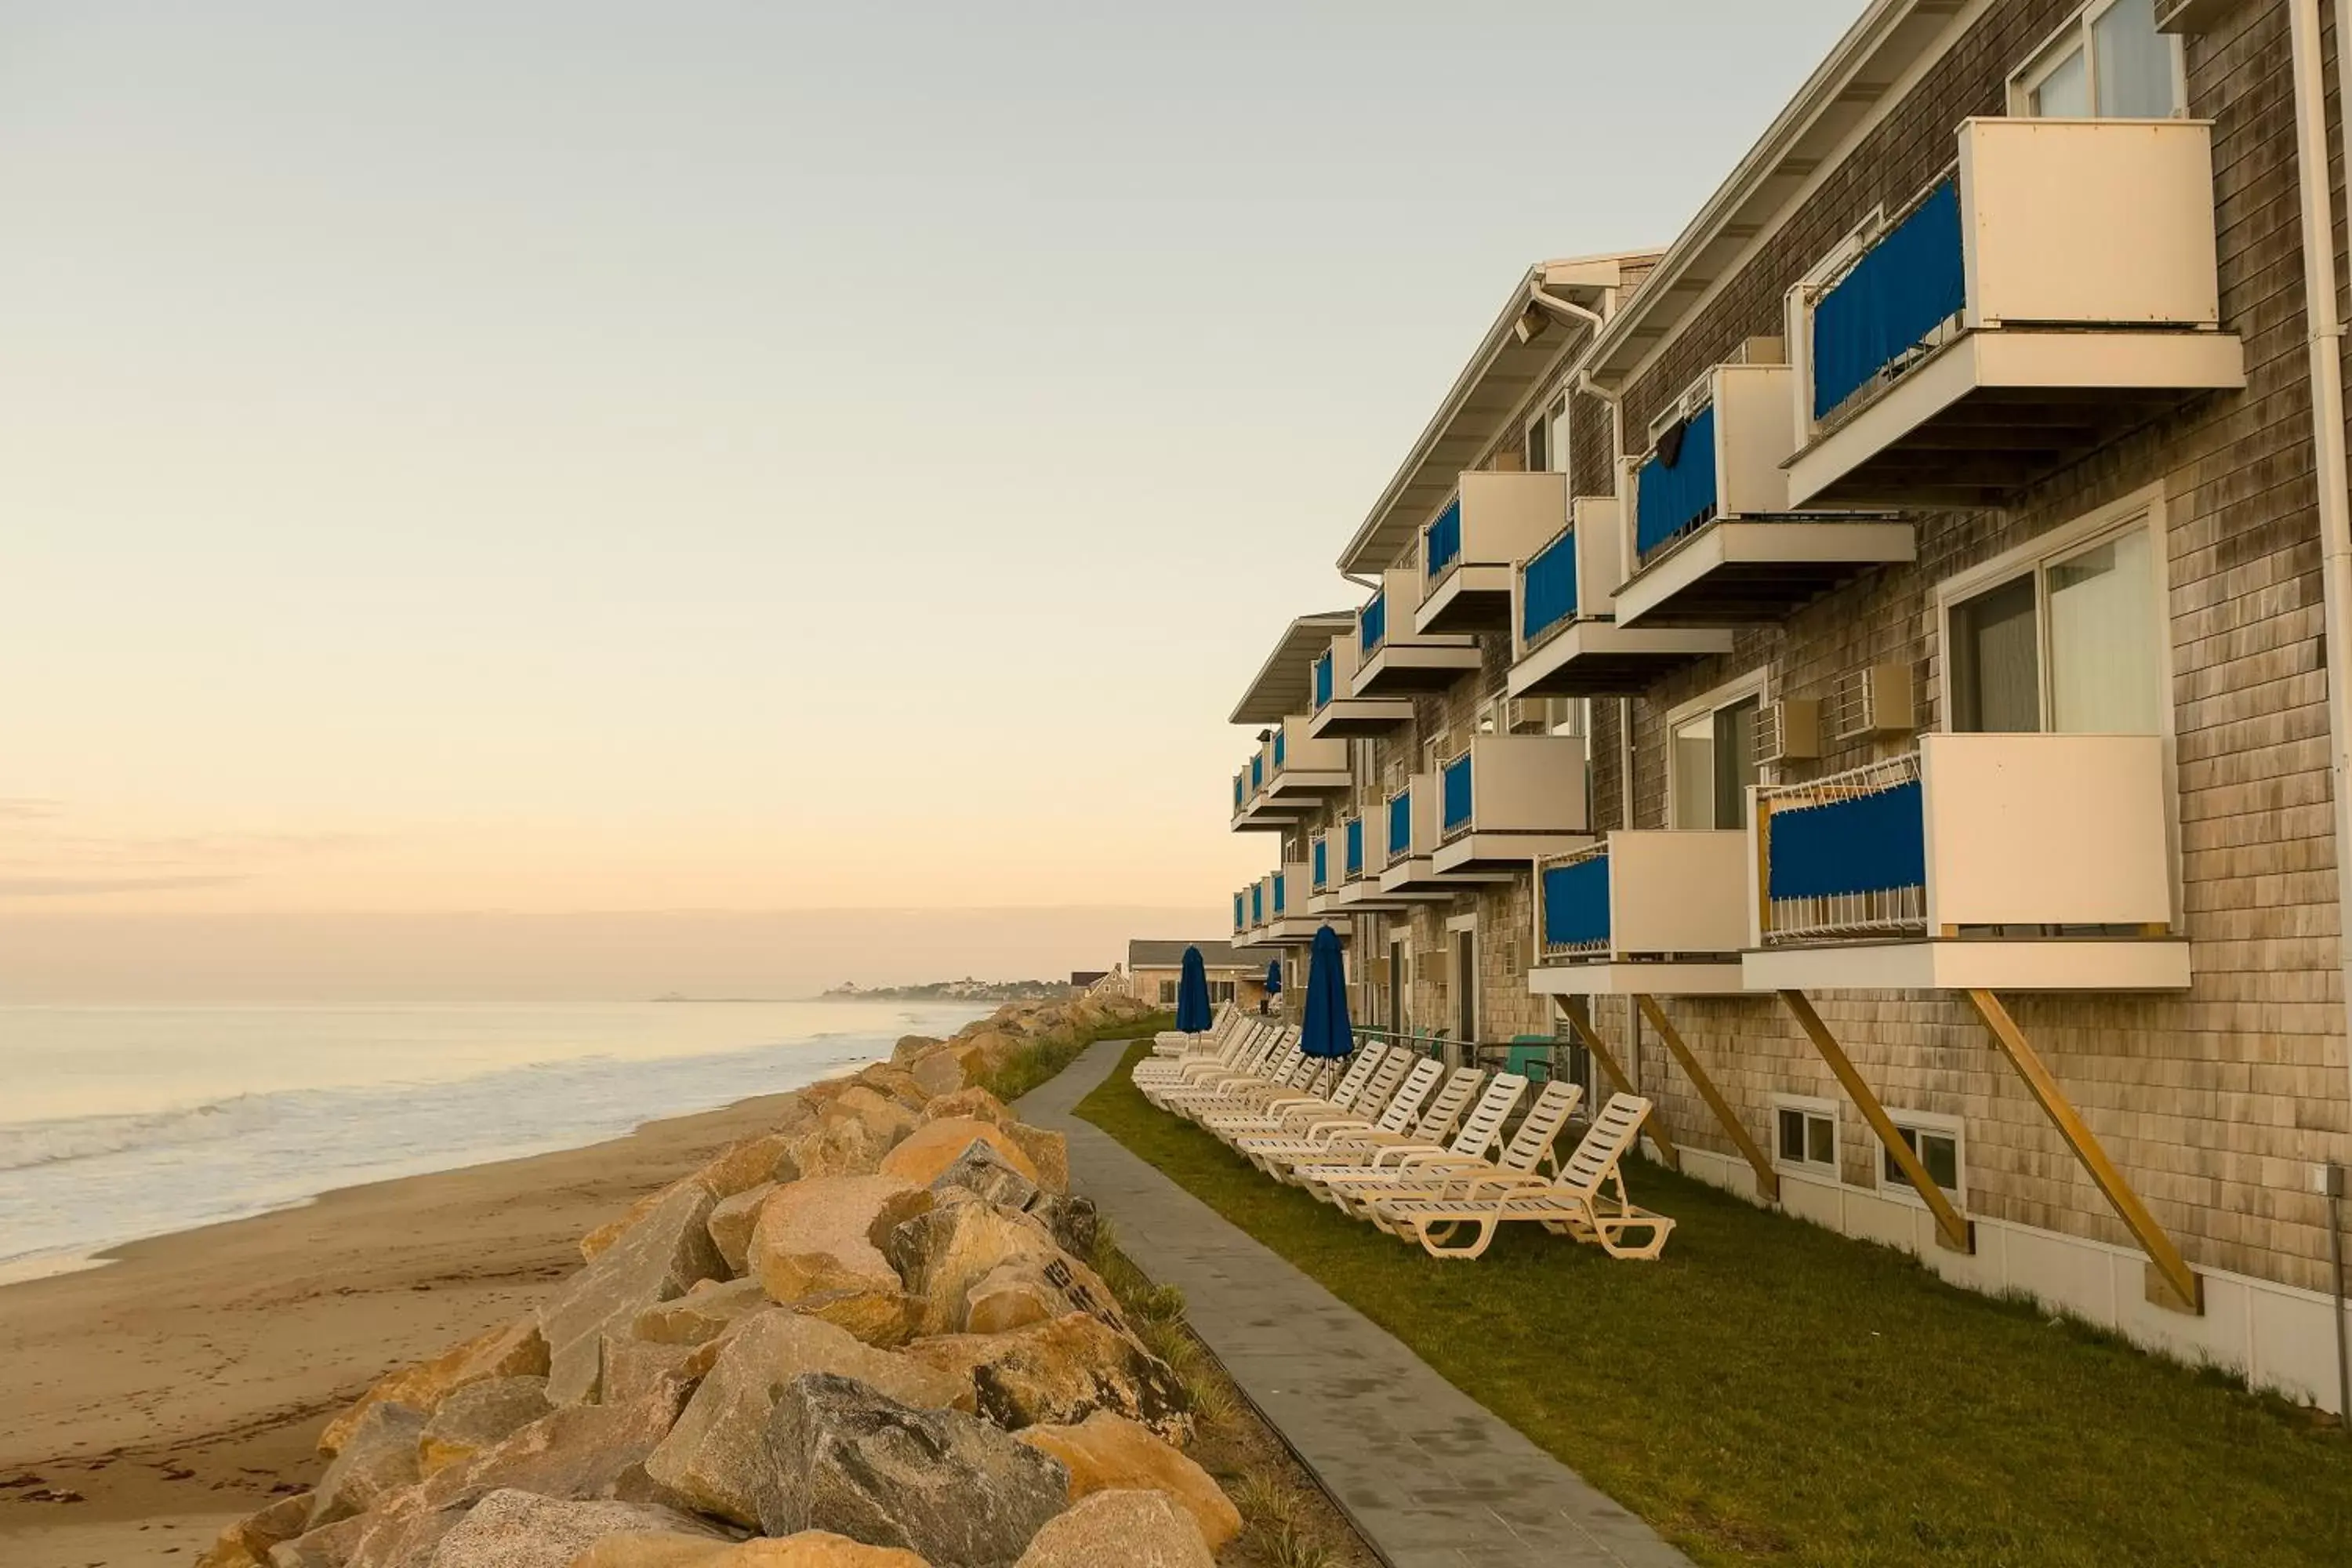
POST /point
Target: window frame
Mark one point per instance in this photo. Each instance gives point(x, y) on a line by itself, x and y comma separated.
point(2143, 508)
point(1810, 1106)
point(2075, 33)
point(1756, 684)
point(1900, 1190)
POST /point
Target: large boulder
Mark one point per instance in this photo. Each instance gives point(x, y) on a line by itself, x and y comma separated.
point(950, 1488)
point(1134, 1530)
point(379, 1458)
point(931, 1147)
point(809, 1548)
point(634, 1368)
point(895, 1082)
point(973, 1104)
point(755, 1162)
point(881, 1114)
point(704, 1313)
point(945, 1254)
point(1074, 1221)
point(246, 1542)
point(522, 1530)
point(512, 1350)
point(1057, 1373)
point(712, 1458)
point(938, 1072)
point(838, 1147)
point(1106, 1453)
point(883, 1317)
point(825, 1233)
point(329, 1546)
point(481, 1416)
point(1048, 1152)
point(980, 1170)
point(910, 1046)
point(660, 1259)
point(732, 1219)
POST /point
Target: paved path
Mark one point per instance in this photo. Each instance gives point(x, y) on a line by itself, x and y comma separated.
point(1427, 1474)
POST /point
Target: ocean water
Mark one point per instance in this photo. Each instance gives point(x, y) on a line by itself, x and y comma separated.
point(117, 1123)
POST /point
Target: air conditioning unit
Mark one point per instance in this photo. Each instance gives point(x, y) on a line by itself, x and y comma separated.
point(1875, 699)
point(1789, 731)
point(2191, 16)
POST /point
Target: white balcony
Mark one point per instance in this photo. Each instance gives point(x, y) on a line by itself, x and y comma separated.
point(1994, 862)
point(1708, 530)
point(1287, 895)
point(1643, 913)
point(1507, 800)
point(1339, 713)
point(1304, 773)
point(1470, 552)
point(2058, 288)
point(1566, 640)
point(1412, 838)
point(1393, 659)
point(1255, 807)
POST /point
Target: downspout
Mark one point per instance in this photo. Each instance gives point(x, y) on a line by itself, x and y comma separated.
point(2327, 340)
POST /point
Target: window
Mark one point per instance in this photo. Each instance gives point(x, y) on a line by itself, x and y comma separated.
point(1936, 1139)
point(1168, 994)
point(1546, 446)
point(1714, 764)
point(1805, 1137)
point(2071, 642)
point(2106, 63)
point(1220, 992)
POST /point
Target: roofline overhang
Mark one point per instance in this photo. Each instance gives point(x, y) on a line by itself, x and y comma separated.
point(1588, 281)
point(1873, 64)
point(1283, 685)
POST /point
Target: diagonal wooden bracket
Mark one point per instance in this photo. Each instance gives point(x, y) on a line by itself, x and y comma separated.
point(2182, 1290)
point(1656, 1125)
point(1951, 1230)
point(1768, 1180)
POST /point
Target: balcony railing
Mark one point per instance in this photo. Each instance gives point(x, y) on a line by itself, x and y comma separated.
point(1454, 799)
point(1401, 824)
point(1902, 297)
point(1574, 893)
point(1280, 748)
point(1353, 838)
point(1279, 894)
point(1257, 772)
point(1440, 543)
point(1846, 856)
point(1240, 789)
point(1373, 624)
point(1241, 913)
point(1320, 856)
point(1547, 590)
point(1257, 903)
point(1325, 684)
point(1675, 491)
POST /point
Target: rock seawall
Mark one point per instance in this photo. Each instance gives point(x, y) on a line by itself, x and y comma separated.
point(868, 1336)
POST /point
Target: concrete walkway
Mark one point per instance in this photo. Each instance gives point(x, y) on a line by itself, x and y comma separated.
point(1427, 1474)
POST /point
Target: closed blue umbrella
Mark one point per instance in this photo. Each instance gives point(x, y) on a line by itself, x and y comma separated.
point(1274, 977)
point(1192, 995)
point(1325, 1033)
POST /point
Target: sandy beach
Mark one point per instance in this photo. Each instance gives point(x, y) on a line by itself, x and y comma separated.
point(150, 1401)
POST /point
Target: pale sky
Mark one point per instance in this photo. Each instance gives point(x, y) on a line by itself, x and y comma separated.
point(560, 457)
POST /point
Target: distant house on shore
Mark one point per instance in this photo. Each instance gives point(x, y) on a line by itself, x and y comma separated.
point(1235, 973)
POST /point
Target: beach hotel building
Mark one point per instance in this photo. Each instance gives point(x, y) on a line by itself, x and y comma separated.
point(1860, 677)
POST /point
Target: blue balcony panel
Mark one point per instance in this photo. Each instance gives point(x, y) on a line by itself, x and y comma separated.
point(1400, 823)
point(1454, 796)
point(1373, 624)
point(1872, 843)
point(1910, 283)
point(1576, 904)
point(1672, 498)
point(1444, 542)
point(1548, 596)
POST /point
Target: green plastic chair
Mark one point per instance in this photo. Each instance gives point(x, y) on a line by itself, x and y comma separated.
point(1530, 1057)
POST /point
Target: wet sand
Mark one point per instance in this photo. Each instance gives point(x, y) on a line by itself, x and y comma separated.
point(145, 1404)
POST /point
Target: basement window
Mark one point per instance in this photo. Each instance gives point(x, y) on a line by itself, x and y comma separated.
point(1936, 1139)
point(1805, 1137)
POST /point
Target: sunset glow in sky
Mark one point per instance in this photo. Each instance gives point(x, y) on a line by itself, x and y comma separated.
point(744, 457)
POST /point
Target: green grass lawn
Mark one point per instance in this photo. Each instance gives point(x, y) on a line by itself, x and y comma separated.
point(1770, 1392)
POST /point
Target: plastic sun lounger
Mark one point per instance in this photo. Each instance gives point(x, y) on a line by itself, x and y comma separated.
point(1256, 1051)
point(1235, 1042)
point(1283, 1065)
point(1531, 1151)
point(1297, 1081)
point(1437, 1123)
point(1365, 1077)
point(1581, 1203)
point(1273, 1150)
point(1481, 1130)
point(1176, 1043)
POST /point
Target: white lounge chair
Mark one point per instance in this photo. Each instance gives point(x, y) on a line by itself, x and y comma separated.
point(1363, 1077)
point(1524, 1160)
point(1588, 1202)
point(1338, 1182)
point(1274, 1152)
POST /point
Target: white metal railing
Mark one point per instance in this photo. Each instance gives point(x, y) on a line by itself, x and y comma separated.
point(1857, 248)
point(1900, 909)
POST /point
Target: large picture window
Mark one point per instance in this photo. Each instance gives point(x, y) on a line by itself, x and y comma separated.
point(2108, 62)
point(1713, 762)
point(2071, 642)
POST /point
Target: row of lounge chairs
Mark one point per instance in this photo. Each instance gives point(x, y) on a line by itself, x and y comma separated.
point(1401, 1143)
